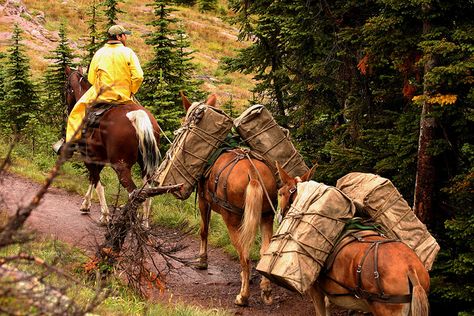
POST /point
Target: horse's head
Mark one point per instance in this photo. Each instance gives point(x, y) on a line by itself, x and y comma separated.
point(76, 85)
point(288, 192)
point(211, 101)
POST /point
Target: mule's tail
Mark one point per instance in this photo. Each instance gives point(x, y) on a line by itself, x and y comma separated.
point(147, 143)
point(419, 299)
point(252, 212)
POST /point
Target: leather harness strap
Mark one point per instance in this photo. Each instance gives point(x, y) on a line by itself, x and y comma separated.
point(222, 177)
point(358, 291)
point(224, 202)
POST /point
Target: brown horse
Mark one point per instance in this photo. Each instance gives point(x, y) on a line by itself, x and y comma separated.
point(235, 188)
point(371, 274)
point(126, 134)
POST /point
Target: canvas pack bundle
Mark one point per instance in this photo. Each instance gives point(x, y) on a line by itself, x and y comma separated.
point(203, 131)
point(260, 131)
point(306, 236)
point(377, 198)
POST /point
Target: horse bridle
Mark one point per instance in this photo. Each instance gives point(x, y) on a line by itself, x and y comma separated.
point(69, 88)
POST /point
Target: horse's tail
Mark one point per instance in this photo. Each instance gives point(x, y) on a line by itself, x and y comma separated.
point(252, 212)
point(147, 143)
point(419, 299)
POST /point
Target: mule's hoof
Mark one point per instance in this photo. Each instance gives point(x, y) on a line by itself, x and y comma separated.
point(201, 265)
point(104, 220)
point(85, 210)
point(267, 298)
point(241, 301)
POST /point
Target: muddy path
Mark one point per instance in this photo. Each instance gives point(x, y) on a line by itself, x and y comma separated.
point(58, 217)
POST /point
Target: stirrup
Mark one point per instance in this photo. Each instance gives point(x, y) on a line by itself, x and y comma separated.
point(57, 146)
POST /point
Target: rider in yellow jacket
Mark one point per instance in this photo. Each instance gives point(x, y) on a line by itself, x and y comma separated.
point(115, 75)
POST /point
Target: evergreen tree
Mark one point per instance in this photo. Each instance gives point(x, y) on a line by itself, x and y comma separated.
point(354, 79)
point(229, 107)
point(111, 11)
point(95, 38)
point(169, 71)
point(185, 69)
point(207, 5)
point(20, 102)
point(2, 78)
point(188, 3)
point(54, 109)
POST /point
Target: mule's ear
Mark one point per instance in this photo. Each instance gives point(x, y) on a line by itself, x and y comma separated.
point(79, 69)
point(284, 176)
point(212, 100)
point(309, 174)
point(67, 70)
point(186, 103)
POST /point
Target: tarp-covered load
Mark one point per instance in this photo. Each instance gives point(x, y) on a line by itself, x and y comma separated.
point(308, 233)
point(203, 131)
point(377, 198)
point(259, 130)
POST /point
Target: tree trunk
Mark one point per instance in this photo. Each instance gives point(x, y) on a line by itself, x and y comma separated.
point(425, 174)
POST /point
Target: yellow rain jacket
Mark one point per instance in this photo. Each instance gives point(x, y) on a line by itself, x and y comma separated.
point(115, 75)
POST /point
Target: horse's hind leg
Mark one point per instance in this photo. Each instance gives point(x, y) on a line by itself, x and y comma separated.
point(242, 299)
point(94, 182)
point(205, 210)
point(146, 205)
point(86, 202)
point(124, 173)
point(104, 209)
point(266, 228)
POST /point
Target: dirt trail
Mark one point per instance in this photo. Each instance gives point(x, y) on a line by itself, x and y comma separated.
point(58, 216)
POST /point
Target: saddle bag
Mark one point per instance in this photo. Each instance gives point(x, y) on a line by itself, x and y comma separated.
point(377, 198)
point(308, 233)
point(203, 131)
point(260, 131)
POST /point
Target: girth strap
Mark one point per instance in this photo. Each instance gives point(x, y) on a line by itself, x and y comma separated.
point(358, 291)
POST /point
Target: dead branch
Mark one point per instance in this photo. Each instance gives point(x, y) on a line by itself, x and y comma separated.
point(126, 216)
point(133, 250)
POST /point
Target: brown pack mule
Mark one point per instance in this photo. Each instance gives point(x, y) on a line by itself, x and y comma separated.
point(371, 274)
point(235, 188)
point(126, 134)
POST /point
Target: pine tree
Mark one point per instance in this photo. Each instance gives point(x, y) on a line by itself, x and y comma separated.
point(169, 71)
point(95, 37)
point(2, 78)
point(354, 80)
point(54, 110)
point(20, 103)
point(207, 5)
point(111, 11)
point(188, 3)
point(185, 69)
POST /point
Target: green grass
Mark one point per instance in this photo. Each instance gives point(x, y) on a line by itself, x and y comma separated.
point(122, 300)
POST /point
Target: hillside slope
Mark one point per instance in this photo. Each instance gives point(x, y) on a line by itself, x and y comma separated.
point(210, 36)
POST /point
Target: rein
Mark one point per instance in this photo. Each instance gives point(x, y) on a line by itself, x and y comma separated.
point(69, 88)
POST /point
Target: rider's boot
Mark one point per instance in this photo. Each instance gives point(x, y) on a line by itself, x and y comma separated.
point(57, 146)
point(61, 146)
